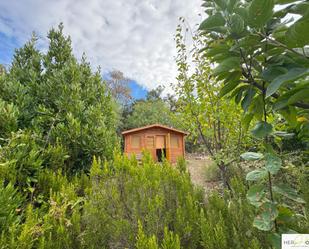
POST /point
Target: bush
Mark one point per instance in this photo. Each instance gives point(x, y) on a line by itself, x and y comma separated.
point(8, 119)
point(10, 207)
point(21, 159)
point(124, 204)
point(152, 206)
point(226, 223)
point(62, 101)
point(124, 193)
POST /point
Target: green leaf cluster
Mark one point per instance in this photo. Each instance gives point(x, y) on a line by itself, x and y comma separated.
point(58, 102)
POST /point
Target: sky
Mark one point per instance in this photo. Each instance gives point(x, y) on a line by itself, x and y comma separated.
point(133, 36)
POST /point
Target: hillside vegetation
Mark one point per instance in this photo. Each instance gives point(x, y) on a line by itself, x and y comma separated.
point(241, 92)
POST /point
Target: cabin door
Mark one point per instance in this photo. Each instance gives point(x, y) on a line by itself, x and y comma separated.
point(160, 147)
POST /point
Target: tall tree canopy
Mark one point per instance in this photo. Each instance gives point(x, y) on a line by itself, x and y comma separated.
point(261, 55)
point(57, 103)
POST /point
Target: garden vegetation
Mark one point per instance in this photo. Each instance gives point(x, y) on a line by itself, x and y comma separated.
point(64, 182)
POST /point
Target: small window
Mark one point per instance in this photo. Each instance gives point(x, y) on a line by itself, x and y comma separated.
point(174, 142)
point(150, 143)
point(135, 141)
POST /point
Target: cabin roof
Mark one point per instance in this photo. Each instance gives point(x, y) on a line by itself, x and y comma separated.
point(154, 126)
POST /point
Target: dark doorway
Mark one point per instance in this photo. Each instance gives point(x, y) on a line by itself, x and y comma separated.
point(160, 154)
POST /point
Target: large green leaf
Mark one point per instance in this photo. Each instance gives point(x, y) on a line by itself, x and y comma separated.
point(256, 107)
point(272, 72)
point(282, 101)
point(231, 4)
point(236, 24)
point(298, 35)
point(261, 129)
point(267, 214)
point(262, 223)
point(255, 194)
point(291, 75)
point(273, 163)
point(228, 88)
point(243, 12)
point(301, 95)
point(221, 4)
point(285, 214)
point(257, 174)
point(212, 22)
point(290, 115)
point(246, 120)
point(251, 156)
point(227, 65)
point(260, 11)
point(249, 94)
point(215, 49)
point(288, 192)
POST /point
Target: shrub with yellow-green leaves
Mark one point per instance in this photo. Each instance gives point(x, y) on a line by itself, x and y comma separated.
point(124, 192)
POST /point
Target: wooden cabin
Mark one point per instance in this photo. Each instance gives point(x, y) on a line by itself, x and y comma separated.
point(161, 141)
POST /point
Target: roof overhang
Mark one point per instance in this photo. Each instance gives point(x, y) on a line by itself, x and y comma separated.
point(154, 126)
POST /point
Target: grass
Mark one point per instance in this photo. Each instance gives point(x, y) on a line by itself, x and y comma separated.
point(212, 172)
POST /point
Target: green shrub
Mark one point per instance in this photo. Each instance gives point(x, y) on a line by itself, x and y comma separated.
point(226, 222)
point(56, 223)
point(8, 119)
point(124, 192)
point(21, 159)
point(10, 207)
point(62, 101)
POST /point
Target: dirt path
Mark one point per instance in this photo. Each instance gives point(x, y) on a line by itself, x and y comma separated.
point(196, 166)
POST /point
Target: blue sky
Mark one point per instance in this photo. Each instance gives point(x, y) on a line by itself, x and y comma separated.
point(135, 36)
point(138, 92)
point(8, 46)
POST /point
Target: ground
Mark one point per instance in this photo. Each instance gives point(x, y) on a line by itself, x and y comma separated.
point(196, 165)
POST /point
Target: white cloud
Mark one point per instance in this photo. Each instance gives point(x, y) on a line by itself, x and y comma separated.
point(134, 36)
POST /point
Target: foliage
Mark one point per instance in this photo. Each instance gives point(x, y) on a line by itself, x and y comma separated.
point(64, 185)
point(213, 120)
point(8, 119)
point(212, 172)
point(157, 196)
point(164, 211)
point(117, 83)
point(261, 56)
point(10, 204)
point(60, 100)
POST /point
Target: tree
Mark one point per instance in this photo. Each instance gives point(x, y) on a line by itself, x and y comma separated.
point(214, 120)
point(155, 94)
point(119, 88)
point(262, 58)
point(62, 102)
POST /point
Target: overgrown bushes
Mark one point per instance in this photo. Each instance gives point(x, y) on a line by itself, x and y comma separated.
point(59, 103)
point(123, 204)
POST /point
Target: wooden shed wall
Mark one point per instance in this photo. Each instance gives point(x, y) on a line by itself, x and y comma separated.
point(175, 144)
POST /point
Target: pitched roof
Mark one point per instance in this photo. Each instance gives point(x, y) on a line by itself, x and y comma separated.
point(153, 126)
